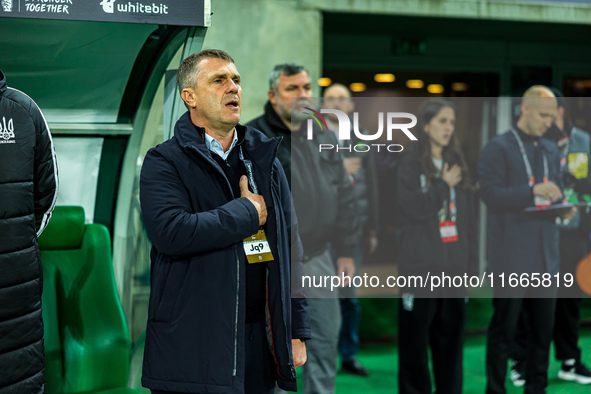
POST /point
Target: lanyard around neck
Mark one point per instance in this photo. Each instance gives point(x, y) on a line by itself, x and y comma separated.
point(565, 148)
point(530, 175)
point(249, 171)
point(453, 209)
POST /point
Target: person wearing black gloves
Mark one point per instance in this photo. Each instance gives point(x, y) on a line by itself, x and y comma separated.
point(437, 234)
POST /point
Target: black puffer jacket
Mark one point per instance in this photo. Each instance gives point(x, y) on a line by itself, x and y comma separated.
point(28, 190)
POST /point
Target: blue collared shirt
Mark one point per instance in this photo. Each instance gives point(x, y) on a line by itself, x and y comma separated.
point(214, 145)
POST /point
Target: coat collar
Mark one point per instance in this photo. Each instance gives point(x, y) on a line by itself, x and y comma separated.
point(261, 149)
point(275, 121)
point(526, 138)
point(2, 82)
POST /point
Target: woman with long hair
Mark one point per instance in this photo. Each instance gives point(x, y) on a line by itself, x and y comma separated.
point(437, 236)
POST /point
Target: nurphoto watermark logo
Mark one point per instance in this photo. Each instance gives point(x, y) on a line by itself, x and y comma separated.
point(345, 127)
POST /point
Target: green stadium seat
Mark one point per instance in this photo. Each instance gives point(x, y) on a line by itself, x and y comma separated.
point(87, 344)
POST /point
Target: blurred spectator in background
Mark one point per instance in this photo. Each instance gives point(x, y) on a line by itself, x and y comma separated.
point(574, 146)
point(361, 169)
point(28, 191)
point(517, 170)
point(437, 233)
point(323, 199)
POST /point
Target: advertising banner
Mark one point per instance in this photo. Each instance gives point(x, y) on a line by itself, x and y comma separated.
point(162, 12)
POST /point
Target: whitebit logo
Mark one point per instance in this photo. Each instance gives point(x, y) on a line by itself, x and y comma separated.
point(7, 131)
point(7, 5)
point(108, 6)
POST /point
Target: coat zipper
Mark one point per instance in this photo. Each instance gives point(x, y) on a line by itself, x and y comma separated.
point(235, 368)
point(276, 207)
point(236, 318)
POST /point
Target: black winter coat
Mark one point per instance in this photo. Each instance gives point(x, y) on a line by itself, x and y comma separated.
point(518, 242)
point(195, 333)
point(272, 126)
point(365, 185)
point(420, 245)
point(28, 191)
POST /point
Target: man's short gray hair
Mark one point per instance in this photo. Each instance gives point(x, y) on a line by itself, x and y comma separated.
point(286, 68)
point(186, 75)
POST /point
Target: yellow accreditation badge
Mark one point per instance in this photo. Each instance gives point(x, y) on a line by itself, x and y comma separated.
point(578, 164)
point(257, 248)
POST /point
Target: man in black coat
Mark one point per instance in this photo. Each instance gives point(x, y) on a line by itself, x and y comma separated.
point(574, 145)
point(361, 169)
point(323, 197)
point(223, 316)
point(28, 191)
point(517, 170)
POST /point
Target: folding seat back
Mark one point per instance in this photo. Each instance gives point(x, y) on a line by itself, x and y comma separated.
point(87, 345)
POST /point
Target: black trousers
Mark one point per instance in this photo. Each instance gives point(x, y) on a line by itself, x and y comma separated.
point(573, 247)
point(566, 332)
point(435, 323)
point(566, 329)
point(539, 313)
point(259, 375)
